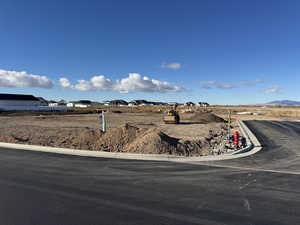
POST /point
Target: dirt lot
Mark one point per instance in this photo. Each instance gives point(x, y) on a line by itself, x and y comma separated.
point(142, 132)
point(263, 112)
point(139, 130)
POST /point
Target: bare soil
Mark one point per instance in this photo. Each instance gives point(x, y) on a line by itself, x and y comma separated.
point(138, 132)
point(262, 112)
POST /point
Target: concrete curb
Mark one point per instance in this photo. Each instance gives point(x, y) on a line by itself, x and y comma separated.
point(249, 135)
point(249, 150)
point(253, 145)
point(246, 133)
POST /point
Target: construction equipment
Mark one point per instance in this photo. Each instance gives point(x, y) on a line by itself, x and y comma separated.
point(172, 116)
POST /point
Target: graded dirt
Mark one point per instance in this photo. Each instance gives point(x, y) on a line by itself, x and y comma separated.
point(136, 132)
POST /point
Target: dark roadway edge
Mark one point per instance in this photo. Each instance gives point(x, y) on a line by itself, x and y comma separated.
point(217, 185)
point(287, 130)
point(208, 216)
point(217, 164)
point(111, 203)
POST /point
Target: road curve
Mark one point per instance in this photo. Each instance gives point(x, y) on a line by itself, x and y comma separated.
point(281, 148)
point(45, 188)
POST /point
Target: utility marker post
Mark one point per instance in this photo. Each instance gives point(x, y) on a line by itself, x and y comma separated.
point(229, 122)
point(229, 127)
point(103, 121)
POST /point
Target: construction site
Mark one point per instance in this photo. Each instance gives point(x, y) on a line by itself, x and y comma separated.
point(197, 133)
point(183, 131)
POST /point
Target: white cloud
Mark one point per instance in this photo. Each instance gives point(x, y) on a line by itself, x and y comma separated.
point(206, 87)
point(211, 84)
point(274, 89)
point(96, 83)
point(223, 85)
point(100, 82)
point(134, 82)
point(23, 79)
point(252, 83)
point(65, 83)
point(174, 66)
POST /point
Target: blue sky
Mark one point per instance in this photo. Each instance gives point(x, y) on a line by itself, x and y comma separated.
point(223, 52)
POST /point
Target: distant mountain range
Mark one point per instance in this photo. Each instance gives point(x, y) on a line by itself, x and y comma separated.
point(284, 103)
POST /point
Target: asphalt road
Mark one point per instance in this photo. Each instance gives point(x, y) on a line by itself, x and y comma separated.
point(263, 189)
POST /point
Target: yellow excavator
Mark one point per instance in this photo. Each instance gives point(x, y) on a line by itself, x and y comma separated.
point(172, 116)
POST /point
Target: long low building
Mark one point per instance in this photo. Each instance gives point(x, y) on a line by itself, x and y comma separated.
point(22, 102)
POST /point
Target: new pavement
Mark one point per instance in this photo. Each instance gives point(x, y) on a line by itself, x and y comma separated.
point(263, 189)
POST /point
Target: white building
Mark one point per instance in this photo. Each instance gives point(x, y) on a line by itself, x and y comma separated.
point(12, 102)
point(53, 104)
point(83, 104)
point(106, 103)
point(79, 105)
point(18, 102)
point(70, 104)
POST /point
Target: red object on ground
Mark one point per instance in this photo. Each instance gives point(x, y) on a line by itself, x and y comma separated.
point(236, 138)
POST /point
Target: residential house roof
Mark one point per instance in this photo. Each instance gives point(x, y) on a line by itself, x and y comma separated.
point(14, 97)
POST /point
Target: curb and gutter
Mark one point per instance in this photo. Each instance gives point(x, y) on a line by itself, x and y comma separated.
point(253, 146)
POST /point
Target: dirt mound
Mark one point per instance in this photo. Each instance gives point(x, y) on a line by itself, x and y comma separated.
point(78, 138)
point(123, 139)
point(137, 140)
point(152, 141)
point(115, 139)
point(206, 117)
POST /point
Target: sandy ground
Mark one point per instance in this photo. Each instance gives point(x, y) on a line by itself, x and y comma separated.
point(185, 130)
point(265, 113)
point(139, 130)
point(143, 132)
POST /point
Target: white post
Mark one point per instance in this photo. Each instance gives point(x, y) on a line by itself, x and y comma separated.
point(103, 122)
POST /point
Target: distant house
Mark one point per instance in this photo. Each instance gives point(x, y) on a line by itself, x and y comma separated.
point(62, 103)
point(83, 104)
point(18, 102)
point(190, 104)
point(203, 104)
point(96, 104)
point(132, 103)
point(106, 103)
point(52, 103)
point(141, 102)
point(160, 103)
point(173, 103)
point(43, 102)
point(118, 102)
point(70, 104)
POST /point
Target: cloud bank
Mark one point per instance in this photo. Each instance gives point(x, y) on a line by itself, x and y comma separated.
point(173, 66)
point(96, 83)
point(274, 89)
point(134, 82)
point(253, 83)
point(23, 79)
point(224, 85)
point(216, 84)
